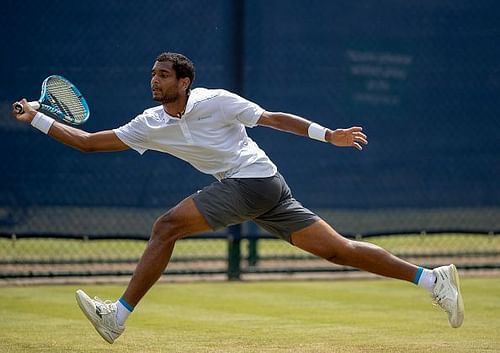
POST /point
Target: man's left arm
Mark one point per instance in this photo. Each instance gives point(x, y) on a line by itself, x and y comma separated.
point(350, 137)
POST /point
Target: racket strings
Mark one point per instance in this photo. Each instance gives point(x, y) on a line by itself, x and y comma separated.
point(62, 96)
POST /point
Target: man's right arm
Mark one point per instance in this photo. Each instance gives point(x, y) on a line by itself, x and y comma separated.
point(102, 141)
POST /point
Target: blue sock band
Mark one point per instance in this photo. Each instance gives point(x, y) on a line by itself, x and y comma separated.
point(126, 305)
point(418, 274)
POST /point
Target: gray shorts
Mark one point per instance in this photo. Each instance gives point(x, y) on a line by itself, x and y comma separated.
point(266, 201)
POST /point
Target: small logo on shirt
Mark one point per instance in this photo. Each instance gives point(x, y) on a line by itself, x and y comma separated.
point(204, 117)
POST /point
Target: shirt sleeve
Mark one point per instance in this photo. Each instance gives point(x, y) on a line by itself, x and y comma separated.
point(240, 109)
point(134, 134)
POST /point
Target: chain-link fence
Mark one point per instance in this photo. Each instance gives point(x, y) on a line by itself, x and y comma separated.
point(423, 79)
point(233, 259)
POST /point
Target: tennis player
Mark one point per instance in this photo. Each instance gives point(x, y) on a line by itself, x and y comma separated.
point(207, 128)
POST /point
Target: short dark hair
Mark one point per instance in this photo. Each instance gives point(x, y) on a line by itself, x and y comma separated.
point(182, 66)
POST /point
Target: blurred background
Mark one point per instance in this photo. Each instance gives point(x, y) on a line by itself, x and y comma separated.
point(422, 78)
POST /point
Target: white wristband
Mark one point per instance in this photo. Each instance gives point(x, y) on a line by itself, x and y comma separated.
point(317, 132)
point(42, 122)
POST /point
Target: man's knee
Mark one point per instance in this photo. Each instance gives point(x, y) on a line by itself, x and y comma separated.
point(351, 250)
point(343, 252)
point(166, 228)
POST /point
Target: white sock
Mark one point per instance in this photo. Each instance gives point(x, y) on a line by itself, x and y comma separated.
point(122, 313)
point(427, 280)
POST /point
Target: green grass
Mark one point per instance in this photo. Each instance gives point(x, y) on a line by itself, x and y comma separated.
point(258, 317)
point(70, 249)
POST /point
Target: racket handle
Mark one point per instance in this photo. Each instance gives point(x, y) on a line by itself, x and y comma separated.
point(18, 107)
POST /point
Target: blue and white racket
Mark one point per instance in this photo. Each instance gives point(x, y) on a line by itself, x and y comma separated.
point(61, 100)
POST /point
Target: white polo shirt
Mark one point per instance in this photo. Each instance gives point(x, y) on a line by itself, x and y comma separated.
point(211, 135)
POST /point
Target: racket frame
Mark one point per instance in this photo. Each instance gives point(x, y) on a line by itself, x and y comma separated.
point(50, 110)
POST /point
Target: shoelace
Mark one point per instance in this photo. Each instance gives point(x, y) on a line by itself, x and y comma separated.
point(104, 305)
point(439, 300)
point(436, 300)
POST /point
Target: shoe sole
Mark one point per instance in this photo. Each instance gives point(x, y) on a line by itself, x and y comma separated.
point(460, 302)
point(90, 318)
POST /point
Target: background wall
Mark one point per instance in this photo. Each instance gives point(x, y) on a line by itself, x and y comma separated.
point(423, 79)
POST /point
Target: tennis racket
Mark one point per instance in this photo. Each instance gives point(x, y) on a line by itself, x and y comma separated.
point(61, 100)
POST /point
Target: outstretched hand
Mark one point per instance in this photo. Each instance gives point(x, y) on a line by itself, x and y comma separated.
point(351, 137)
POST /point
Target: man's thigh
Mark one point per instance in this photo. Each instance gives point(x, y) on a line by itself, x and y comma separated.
point(288, 217)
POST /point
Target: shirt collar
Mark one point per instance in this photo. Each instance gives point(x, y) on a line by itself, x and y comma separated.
point(189, 103)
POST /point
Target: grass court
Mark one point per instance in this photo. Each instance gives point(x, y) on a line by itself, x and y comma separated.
point(256, 317)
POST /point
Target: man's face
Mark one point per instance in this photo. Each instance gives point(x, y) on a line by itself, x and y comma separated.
point(165, 86)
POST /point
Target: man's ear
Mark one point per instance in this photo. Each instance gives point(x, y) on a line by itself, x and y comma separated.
point(185, 82)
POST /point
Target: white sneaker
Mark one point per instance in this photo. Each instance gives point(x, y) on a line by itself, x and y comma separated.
point(101, 314)
point(447, 295)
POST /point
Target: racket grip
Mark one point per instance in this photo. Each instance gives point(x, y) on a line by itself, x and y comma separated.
point(18, 107)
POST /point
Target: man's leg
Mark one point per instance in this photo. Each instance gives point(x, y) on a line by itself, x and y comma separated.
point(181, 221)
point(322, 240)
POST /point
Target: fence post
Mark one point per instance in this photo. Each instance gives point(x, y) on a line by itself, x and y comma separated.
point(252, 234)
point(234, 252)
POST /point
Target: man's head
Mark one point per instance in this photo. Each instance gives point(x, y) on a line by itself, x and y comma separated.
point(171, 76)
